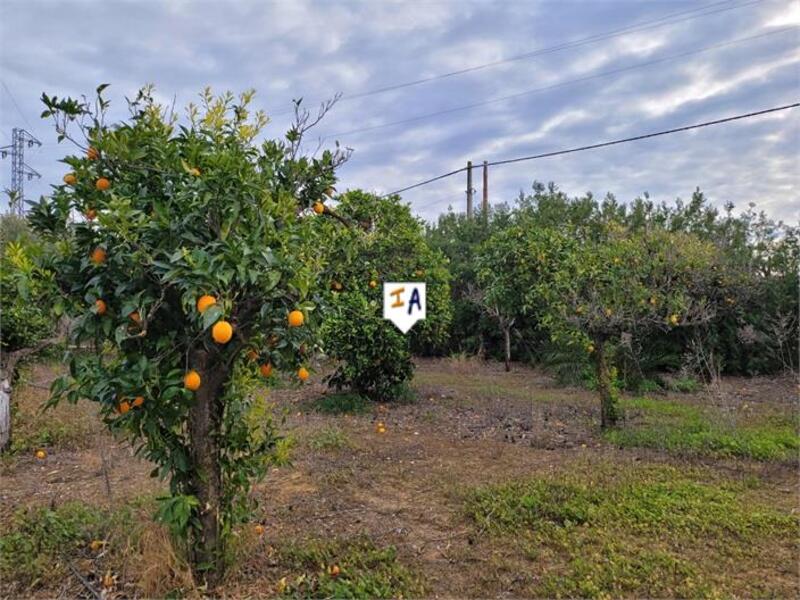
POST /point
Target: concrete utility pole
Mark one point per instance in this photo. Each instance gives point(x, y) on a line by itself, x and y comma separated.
point(19, 170)
point(470, 190)
point(485, 202)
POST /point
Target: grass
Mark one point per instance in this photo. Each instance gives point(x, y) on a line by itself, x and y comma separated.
point(37, 545)
point(649, 532)
point(365, 571)
point(341, 404)
point(682, 428)
point(329, 438)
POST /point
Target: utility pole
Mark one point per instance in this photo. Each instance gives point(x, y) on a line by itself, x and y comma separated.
point(470, 190)
point(19, 170)
point(485, 203)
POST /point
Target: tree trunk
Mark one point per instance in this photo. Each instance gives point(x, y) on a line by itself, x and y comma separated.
point(608, 401)
point(507, 336)
point(205, 417)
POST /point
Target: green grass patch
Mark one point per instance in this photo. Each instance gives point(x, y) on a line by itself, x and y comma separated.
point(364, 571)
point(683, 428)
point(329, 438)
point(341, 404)
point(649, 532)
point(31, 550)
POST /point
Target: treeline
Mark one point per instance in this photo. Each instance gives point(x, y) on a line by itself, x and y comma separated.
point(730, 307)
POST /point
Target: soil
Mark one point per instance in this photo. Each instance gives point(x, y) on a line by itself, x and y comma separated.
point(472, 425)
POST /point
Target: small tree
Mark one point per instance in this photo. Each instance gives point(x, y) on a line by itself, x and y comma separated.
point(384, 243)
point(591, 293)
point(190, 270)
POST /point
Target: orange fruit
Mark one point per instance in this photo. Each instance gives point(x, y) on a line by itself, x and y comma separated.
point(91, 214)
point(92, 153)
point(102, 184)
point(138, 401)
point(191, 381)
point(41, 454)
point(101, 307)
point(266, 369)
point(302, 373)
point(203, 302)
point(373, 284)
point(222, 332)
point(259, 529)
point(124, 407)
point(334, 570)
point(98, 256)
point(252, 354)
point(319, 208)
point(136, 317)
point(296, 318)
point(70, 179)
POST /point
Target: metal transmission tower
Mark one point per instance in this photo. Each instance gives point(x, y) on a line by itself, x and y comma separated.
point(19, 170)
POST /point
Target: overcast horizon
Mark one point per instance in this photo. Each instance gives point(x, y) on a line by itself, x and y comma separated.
point(678, 63)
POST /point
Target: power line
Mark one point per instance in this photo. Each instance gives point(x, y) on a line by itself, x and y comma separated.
point(561, 84)
point(603, 144)
point(669, 19)
point(21, 114)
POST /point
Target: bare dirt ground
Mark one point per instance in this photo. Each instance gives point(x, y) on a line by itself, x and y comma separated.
point(471, 425)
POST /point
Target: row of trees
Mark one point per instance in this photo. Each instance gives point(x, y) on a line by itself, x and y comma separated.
point(194, 265)
point(735, 300)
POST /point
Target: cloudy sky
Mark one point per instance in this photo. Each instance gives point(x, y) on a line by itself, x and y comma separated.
point(580, 72)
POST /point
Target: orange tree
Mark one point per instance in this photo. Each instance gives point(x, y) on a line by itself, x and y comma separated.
point(190, 271)
point(383, 242)
point(596, 292)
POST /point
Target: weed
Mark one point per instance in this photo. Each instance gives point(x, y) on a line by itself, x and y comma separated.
point(329, 438)
point(342, 403)
point(364, 571)
point(625, 531)
point(682, 428)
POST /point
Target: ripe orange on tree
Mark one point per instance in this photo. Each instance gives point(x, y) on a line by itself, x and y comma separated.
point(123, 407)
point(266, 369)
point(92, 153)
point(222, 332)
point(204, 302)
point(98, 256)
point(101, 307)
point(319, 208)
point(70, 179)
point(91, 214)
point(138, 401)
point(296, 318)
point(302, 373)
point(191, 381)
point(102, 184)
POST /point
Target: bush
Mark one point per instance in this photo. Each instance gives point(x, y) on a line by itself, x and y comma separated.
point(26, 289)
point(384, 243)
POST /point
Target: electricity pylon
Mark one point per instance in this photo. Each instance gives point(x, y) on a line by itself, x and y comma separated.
point(19, 170)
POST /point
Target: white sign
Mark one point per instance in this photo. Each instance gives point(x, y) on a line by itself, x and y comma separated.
point(404, 303)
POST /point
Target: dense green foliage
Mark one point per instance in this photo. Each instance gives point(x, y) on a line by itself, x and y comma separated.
point(741, 270)
point(384, 242)
point(26, 287)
